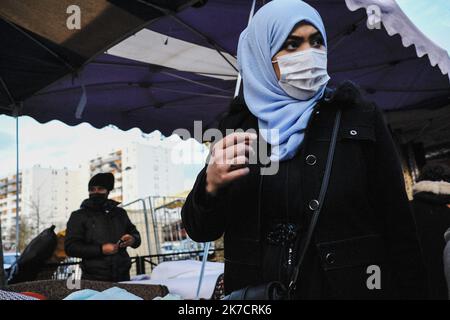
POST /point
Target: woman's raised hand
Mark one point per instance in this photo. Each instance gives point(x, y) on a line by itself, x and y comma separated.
point(229, 160)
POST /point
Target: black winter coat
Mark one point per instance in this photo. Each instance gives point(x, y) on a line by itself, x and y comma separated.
point(433, 220)
point(366, 217)
point(92, 226)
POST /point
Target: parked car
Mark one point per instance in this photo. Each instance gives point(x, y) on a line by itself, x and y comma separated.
point(8, 260)
point(179, 249)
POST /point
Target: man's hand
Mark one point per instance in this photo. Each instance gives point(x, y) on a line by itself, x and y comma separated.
point(110, 249)
point(229, 160)
point(128, 241)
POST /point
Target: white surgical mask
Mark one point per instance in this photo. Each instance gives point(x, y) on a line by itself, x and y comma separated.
point(303, 73)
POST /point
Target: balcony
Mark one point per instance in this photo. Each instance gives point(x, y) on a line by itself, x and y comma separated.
point(101, 161)
point(13, 182)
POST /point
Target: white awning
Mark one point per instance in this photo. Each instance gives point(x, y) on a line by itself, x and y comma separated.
point(158, 49)
point(397, 22)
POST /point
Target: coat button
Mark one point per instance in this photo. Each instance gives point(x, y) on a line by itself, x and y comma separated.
point(330, 258)
point(353, 132)
point(311, 159)
point(314, 204)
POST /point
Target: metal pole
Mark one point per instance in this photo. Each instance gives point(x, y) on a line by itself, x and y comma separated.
point(155, 225)
point(17, 185)
point(147, 230)
point(202, 271)
point(144, 206)
point(239, 79)
point(2, 271)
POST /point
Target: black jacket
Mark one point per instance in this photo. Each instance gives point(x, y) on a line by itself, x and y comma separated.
point(366, 218)
point(92, 226)
point(433, 219)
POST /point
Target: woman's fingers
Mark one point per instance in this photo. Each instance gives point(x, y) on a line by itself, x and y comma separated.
point(235, 174)
point(229, 160)
point(238, 162)
point(240, 149)
point(235, 138)
point(233, 145)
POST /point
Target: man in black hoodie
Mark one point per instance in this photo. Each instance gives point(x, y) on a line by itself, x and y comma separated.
point(99, 233)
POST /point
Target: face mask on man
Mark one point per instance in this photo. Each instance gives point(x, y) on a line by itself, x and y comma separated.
point(98, 198)
point(303, 73)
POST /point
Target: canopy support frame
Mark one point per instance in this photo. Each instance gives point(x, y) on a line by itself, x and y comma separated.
point(43, 46)
point(173, 16)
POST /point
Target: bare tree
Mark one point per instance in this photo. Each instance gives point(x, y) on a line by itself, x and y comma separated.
point(36, 211)
point(36, 208)
point(25, 233)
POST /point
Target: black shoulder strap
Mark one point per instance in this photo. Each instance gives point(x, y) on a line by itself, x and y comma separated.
point(323, 189)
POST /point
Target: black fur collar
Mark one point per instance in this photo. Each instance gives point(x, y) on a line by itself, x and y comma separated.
point(347, 94)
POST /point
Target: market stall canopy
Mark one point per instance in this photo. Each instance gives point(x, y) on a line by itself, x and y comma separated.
point(45, 40)
point(182, 67)
point(395, 64)
point(131, 94)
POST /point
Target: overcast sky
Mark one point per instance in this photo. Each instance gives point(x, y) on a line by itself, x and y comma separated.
point(432, 17)
point(57, 145)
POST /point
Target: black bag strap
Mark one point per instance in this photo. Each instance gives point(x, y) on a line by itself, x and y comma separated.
point(315, 217)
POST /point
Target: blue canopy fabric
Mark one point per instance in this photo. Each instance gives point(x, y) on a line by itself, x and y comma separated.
point(38, 48)
point(132, 95)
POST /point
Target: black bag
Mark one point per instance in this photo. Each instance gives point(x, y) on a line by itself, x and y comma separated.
point(276, 290)
point(33, 258)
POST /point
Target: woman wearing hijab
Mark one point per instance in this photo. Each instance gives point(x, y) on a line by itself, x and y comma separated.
point(364, 244)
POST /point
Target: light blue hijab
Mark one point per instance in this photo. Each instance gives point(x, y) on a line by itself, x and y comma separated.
point(273, 107)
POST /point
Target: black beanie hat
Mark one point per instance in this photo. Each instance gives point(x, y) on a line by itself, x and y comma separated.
point(105, 180)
